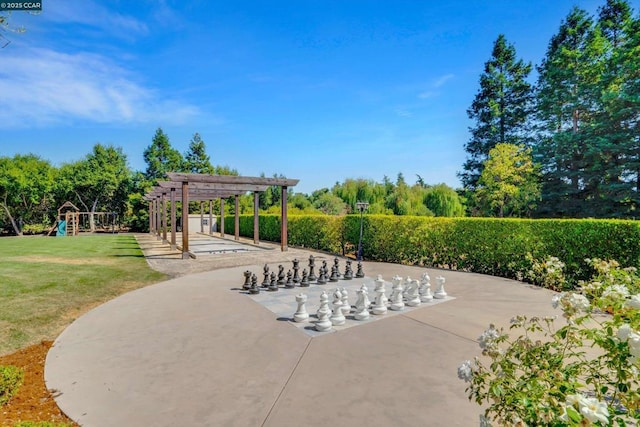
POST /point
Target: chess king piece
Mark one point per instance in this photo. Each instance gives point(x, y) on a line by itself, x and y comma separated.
point(413, 295)
point(254, 285)
point(362, 304)
point(265, 282)
point(397, 303)
point(281, 275)
point(304, 283)
point(337, 318)
point(346, 307)
point(296, 267)
point(289, 284)
point(440, 293)
point(312, 264)
point(334, 274)
point(323, 324)
point(247, 280)
point(425, 288)
point(301, 314)
point(359, 272)
point(380, 304)
point(348, 272)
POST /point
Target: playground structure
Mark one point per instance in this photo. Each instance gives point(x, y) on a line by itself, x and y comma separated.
point(71, 221)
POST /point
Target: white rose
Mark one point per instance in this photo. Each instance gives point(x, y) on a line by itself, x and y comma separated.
point(633, 302)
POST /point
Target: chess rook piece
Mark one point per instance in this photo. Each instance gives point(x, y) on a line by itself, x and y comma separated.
point(440, 293)
point(334, 274)
point(296, 267)
point(254, 285)
point(281, 275)
point(380, 304)
point(312, 265)
point(362, 304)
point(359, 272)
point(289, 284)
point(304, 283)
point(301, 314)
point(346, 307)
point(413, 296)
point(425, 288)
point(348, 272)
point(323, 324)
point(266, 281)
point(247, 280)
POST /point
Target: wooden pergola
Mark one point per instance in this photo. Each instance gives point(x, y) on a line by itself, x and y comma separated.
point(201, 187)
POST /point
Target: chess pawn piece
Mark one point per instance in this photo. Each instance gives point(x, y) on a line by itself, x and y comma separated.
point(380, 304)
point(247, 280)
point(322, 278)
point(425, 289)
point(301, 314)
point(362, 304)
point(289, 284)
point(334, 274)
point(413, 297)
point(312, 264)
point(254, 285)
point(273, 283)
point(348, 272)
point(346, 307)
point(337, 318)
point(323, 324)
point(359, 272)
point(265, 282)
point(281, 275)
point(440, 293)
point(296, 267)
point(397, 303)
point(304, 283)
point(336, 263)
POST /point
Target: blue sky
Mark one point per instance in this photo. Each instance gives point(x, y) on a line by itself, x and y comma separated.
point(315, 90)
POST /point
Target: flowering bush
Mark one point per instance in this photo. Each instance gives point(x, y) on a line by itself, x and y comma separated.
point(548, 273)
point(583, 372)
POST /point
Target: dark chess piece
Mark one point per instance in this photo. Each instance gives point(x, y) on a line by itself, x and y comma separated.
point(312, 264)
point(273, 280)
point(359, 273)
point(254, 285)
point(334, 273)
point(273, 286)
point(247, 280)
point(305, 279)
point(265, 271)
point(348, 272)
point(322, 278)
point(289, 283)
point(296, 267)
point(281, 275)
point(336, 264)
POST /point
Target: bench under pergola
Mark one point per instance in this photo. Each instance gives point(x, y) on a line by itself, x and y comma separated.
point(188, 187)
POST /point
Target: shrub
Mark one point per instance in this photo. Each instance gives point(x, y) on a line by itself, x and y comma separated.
point(10, 381)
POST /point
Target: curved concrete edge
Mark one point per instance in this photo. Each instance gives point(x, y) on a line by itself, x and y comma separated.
point(191, 351)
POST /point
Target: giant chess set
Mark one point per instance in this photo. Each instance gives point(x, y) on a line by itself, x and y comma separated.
point(303, 299)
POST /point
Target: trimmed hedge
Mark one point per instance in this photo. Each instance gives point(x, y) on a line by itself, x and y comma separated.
point(492, 246)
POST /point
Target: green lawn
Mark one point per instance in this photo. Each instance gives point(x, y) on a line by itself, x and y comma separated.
point(47, 282)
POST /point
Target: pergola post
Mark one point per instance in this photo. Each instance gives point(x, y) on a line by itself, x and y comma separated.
point(164, 217)
point(256, 221)
point(237, 220)
point(158, 219)
point(150, 216)
point(185, 220)
point(202, 217)
point(221, 217)
point(283, 220)
point(173, 219)
point(210, 230)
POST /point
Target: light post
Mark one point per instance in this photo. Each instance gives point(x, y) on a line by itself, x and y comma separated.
point(362, 206)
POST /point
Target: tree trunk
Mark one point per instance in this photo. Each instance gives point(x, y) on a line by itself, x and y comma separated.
point(92, 220)
point(16, 229)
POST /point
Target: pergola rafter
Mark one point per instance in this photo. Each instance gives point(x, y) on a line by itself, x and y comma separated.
point(202, 187)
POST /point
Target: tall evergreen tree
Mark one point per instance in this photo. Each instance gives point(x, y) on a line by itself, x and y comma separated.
point(161, 157)
point(196, 160)
point(500, 109)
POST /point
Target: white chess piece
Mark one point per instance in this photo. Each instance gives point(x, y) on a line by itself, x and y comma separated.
point(380, 304)
point(440, 293)
point(323, 324)
point(337, 318)
point(413, 297)
point(346, 307)
point(362, 303)
point(301, 314)
point(397, 303)
point(425, 288)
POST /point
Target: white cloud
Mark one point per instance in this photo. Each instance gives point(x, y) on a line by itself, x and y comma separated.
point(427, 94)
point(440, 81)
point(41, 86)
point(93, 14)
